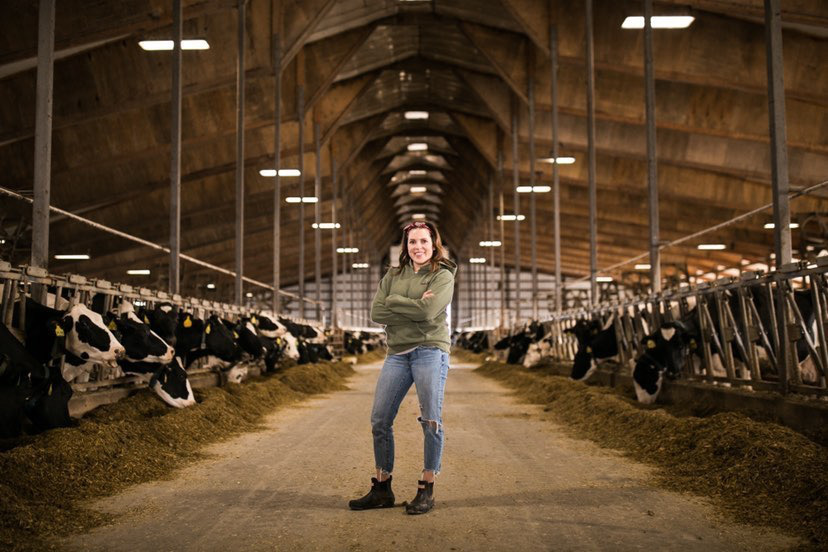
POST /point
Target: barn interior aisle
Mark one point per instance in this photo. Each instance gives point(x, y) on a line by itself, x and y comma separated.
point(511, 481)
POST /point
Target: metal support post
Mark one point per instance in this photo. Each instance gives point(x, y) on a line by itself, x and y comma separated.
point(277, 189)
point(317, 236)
point(593, 199)
point(515, 184)
point(240, 82)
point(556, 183)
point(532, 200)
point(43, 133)
point(652, 176)
point(334, 264)
point(300, 112)
point(175, 149)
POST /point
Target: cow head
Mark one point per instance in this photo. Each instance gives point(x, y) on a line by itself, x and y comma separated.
point(140, 342)
point(88, 337)
point(662, 356)
point(171, 384)
point(220, 340)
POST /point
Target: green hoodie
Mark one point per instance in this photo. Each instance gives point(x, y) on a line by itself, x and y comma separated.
point(409, 320)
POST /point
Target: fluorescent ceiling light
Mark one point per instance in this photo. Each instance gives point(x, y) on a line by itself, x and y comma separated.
point(248, 294)
point(282, 172)
point(477, 260)
point(642, 266)
point(511, 217)
point(414, 115)
point(360, 265)
point(326, 225)
point(418, 146)
point(139, 272)
point(771, 226)
point(293, 199)
point(659, 22)
point(711, 246)
point(603, 279)
point(558, 160)
point(495, 243)
point(418, 189)
point(416, 172)
point(533, 189)
point(72, 257)
point(187, 44)
point(347, 250)
point(211, 286)
point(418, 216)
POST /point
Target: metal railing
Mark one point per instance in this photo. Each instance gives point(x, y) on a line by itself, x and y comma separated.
point(730, 324)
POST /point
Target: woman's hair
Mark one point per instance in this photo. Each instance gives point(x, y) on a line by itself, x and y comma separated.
point(438, 255)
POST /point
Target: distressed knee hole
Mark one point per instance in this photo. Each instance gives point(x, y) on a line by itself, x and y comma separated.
point(433, 424)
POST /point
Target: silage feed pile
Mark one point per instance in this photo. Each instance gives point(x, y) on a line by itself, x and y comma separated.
point(135, 440)
point(758, 472)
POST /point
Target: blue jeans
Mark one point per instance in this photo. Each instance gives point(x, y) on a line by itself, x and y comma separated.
point(427, 368)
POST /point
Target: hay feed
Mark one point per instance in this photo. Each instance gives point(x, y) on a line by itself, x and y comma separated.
point(138, 439)
point(758, 472)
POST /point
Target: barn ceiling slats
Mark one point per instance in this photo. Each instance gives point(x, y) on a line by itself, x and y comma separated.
point(362, 65)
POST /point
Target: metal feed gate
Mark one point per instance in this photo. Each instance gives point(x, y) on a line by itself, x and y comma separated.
point(725, 328)
point(29, 281)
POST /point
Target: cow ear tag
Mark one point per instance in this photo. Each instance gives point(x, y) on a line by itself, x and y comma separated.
point(651, 344)
point(235, 335)
point(146, 320)
point(112, 326)
point(207, 329)
point(589, 350)
point(49, 392)
point(188, 322)
point(692, 343)
point(254, 320)
point(58, 331)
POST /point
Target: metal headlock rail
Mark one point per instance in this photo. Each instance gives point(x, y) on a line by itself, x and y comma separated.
point(157, 247)
point(17, 284)
point(740, 329)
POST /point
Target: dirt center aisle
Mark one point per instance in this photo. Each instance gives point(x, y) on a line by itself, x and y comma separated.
point(510, 482)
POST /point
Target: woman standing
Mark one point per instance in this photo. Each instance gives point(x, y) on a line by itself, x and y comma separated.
point(411, 302)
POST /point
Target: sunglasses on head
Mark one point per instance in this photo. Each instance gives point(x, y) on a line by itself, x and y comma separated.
point(414, 225)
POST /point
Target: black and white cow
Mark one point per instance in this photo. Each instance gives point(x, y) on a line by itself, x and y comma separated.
point(17, 367)
point(518, 343)
point(171, 383)
point(596, 342)
point(210, 339)
point(663, 352)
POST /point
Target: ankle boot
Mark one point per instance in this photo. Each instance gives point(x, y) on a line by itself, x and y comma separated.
point(380, 496)
point(424, 501)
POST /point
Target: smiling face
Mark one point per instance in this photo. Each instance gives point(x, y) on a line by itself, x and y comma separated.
point(420, 248)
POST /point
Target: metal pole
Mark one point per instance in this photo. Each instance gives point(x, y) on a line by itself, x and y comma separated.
point(334, 184)
point(779, 171)
point(502, 233)
point(300, 112)
point(532, 201)
point(593, 199)
point(240, 155)
point(277, 190)
point(515, 184)
point(175, 147)
point(43, 133)
point(652, 176)
point(317, 236)
point(490, 233)
point(556, 183)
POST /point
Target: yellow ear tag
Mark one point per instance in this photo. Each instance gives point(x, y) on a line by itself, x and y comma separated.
point(254, 320)
point(589, 350)
point(49, 392)
point(692, 343)
point(146, 320)
point(651, 344)
point(58, 331)
point(235, 335)
point(279, 340)
point(187, 322)
point(112, 326)
point(207, 329)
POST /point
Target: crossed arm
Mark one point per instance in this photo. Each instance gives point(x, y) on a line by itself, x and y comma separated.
point(396, 309)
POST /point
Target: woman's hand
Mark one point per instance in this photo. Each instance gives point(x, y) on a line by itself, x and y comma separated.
point(427, 294)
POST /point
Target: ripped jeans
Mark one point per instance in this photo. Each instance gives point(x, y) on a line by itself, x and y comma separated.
point(427, 368)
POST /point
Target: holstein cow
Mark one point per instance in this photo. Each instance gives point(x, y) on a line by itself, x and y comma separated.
point(163, 320)
point(518, 343)
point(595, 343)
point(172, 385)
point(17, 370)
point(662, 357)
point(271, 327)
point(196, 338)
